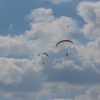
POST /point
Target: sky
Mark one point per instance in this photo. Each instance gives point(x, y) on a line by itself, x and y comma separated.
point(32, 27)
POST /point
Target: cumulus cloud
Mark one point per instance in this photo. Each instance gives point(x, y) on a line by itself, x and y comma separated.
point(51, 31)
point(14, 46)
point(90, 12)
point(21, 68)
point(20, 77)
point(74, 68)
point(40, 15)
point(26, 77)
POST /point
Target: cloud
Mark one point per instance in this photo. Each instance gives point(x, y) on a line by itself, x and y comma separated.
point(15, 46)
point(58, 1)
point(90, 94)
point(40, 15)
point(22, 73)
point(21, 68)
point(74, 69)
point(47, 28)
point(89, 11)
point(20, 77)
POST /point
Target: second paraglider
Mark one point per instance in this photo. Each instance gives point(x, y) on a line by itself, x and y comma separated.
point(44, 54)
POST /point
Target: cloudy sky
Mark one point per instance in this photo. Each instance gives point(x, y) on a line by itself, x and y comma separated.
point(31, 27)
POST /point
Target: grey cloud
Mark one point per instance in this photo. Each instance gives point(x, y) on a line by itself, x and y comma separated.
point(30, 74)
point(93, 93)
point(77, 68)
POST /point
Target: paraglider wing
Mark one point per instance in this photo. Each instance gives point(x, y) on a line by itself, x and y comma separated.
point(43, 53)
point(46, 54)
point(64, 41)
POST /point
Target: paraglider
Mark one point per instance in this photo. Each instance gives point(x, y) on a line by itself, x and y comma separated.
point(43, 53)
point(64, 41)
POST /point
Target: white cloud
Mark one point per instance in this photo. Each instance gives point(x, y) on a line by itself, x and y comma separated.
point(52, 31)
point(80, 68)
point(17, 46)
point(12, 70)
point(10, 73)
point(90, 12)
point(40, 15)
point(27, 74)
point(41, 38)
point(20, 78)
point(60, 73)
point(58, 1)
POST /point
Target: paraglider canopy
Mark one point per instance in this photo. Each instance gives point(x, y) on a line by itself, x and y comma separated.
point(64, 41)
point(43, 53)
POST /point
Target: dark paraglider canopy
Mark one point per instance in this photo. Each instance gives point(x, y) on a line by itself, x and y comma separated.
point(64, 41)
point(43, 53)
